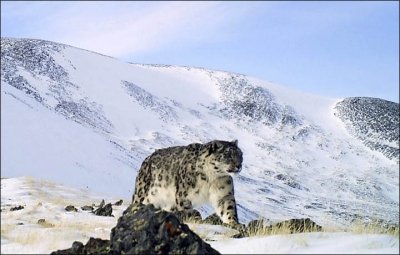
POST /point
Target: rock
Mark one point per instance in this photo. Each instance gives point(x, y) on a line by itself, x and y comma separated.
point(45, 224)
point(144, 230)
point(77, 248)
point(93, 246)
point(104, 210)
point(257, 227)
point(119, 202)
point(253, 228)
point(102, 203)
point(87, 208)
point(381, 134)
point(16, 208)
point(299, 225)
point(97, 246)
point(71, 208)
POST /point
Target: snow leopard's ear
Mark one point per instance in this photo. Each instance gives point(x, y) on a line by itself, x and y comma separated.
point(235, 142)
point(213, 147)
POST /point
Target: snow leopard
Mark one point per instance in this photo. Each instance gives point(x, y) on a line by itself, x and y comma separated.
point(182, 177)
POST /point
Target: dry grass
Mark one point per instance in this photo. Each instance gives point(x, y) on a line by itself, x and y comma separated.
point(44, 225)
point(62, 228)
point(373, 227)
point(284, 228)
point(52, 234)
point(357, 227)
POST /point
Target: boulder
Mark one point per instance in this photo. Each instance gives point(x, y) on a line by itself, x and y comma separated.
point(144, 230)
point(299, 225)
point(104, 210)
point(16, 208)
point(93, 246)
point(119, 202)
point(87, 208)
point(71, 208)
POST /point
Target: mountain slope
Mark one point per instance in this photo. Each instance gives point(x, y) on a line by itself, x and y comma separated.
point(88, 120)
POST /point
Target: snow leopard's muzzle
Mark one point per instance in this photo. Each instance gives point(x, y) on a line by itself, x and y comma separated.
point(235, 168)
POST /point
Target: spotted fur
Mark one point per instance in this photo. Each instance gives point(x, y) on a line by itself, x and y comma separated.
point(180, 177)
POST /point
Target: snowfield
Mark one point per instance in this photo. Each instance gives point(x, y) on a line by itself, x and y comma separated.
point(87, 121)
point(43, 199)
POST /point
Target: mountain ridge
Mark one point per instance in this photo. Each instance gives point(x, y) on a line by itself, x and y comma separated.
point(299, 158)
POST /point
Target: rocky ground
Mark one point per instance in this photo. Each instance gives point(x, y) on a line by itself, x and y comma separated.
point(144, 229)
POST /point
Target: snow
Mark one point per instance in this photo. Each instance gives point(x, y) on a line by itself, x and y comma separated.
point(91, 134)
point(43, 199)
point(58, 149)
point(311, 243)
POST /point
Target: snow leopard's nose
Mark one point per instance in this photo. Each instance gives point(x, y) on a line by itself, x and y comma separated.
point(235, 168)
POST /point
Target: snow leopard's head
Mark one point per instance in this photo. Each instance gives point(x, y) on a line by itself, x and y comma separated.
point(227, 156)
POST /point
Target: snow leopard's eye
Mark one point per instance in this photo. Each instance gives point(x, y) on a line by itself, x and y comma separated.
point(228, 154)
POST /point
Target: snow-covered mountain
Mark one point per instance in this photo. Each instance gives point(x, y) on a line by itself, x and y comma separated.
point(88, 120)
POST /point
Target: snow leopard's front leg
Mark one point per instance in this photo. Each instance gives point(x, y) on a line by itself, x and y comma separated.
point(183, 205)
point(222, 199)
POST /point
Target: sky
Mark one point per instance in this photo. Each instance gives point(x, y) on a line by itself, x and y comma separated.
point(330, 48)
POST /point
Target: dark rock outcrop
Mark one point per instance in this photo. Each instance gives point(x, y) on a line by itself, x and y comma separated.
point(244, 102)
point(16, 208)
point(298, 225)
point(104, 210)
point(93, 246)
point(142, 229)
point(87, 208)
point(37, 57)
point(71, 208)
point(119, 202)
point(292, 226)
point(374, 121)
